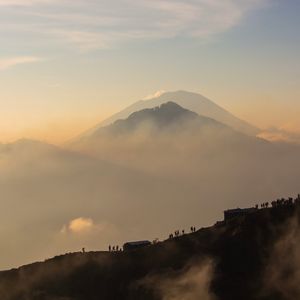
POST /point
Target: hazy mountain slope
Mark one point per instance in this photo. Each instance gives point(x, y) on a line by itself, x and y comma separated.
point(44, 188)
point(159, 170)
point(146, 135)
point(191, 101)
point(203, 159)
point(230, 261)
point(168, 116)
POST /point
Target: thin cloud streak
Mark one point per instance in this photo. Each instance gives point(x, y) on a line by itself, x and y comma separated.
point(8, 63)
point(93, 25)
point(24, 2)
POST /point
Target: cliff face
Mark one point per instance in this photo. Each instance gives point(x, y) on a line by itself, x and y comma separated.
point(249, 257)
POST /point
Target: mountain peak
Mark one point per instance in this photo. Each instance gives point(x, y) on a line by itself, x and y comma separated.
point(163, 114)
point(170, 105)
point(169, 108)
point(187, 100)
point(167, 116)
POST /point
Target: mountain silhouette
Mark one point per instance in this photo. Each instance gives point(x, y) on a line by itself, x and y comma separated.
point(167, 116)
point(231, 260)
point(191, 101)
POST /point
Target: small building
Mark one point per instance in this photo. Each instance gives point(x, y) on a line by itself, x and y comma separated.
point(232, 213)
point(135, 245)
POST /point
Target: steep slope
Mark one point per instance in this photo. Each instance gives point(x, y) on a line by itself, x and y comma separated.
point(191, 101)
point(234, 260)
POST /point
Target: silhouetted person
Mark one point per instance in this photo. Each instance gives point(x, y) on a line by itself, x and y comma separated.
point(113, 248)
point(109, 248)
point(182, 232)
point(83, 250)
point(117, 248)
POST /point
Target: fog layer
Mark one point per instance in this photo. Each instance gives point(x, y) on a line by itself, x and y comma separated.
point(162, 170)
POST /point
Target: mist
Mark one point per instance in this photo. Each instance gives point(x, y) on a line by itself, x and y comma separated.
point(282, 275)
point(191, 283)
point(137, 183)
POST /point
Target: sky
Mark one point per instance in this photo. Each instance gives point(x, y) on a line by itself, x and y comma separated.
point(66, 65)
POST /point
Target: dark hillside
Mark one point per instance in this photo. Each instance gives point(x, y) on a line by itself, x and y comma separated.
point(240, 251)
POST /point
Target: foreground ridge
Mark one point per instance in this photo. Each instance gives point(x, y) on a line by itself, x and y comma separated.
point(239, 251)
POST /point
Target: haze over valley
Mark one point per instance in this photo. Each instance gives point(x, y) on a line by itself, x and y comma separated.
point(149, 150)
point(109, 185)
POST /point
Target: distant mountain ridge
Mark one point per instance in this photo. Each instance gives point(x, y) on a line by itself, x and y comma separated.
point(168, 115)
point(167, 136)
point(191, 101)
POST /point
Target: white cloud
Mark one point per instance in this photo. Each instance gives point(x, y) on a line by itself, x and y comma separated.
point(101, 24)
point(155, 95)
point(87, 226)
point(7, 63)
point(79, 225)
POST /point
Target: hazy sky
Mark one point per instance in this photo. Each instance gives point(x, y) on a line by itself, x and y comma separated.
point(65, 65)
